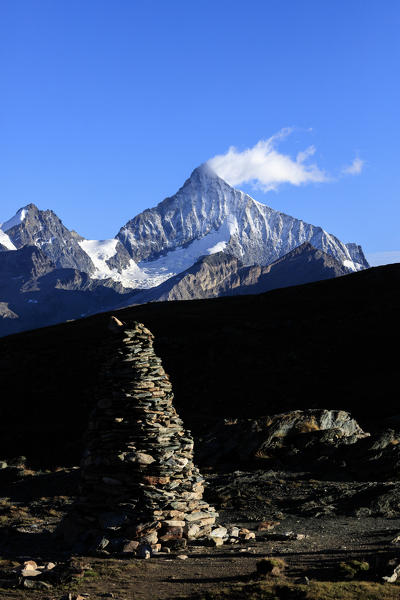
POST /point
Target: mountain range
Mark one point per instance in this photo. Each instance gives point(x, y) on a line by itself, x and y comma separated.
point(207, 240)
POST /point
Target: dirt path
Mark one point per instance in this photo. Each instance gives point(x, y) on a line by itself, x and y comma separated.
point(327, 542)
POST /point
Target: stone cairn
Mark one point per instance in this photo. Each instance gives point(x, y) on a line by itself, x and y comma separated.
point(140, 490)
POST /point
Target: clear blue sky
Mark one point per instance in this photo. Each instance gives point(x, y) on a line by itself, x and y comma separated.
point(108, 105)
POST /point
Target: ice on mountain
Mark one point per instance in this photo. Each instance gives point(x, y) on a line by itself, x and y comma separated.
point(99, 251)
point(181, 258)
point(5, 241)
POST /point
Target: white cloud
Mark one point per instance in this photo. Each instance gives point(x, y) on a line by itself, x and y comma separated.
point(265, 167)
point(355, 168)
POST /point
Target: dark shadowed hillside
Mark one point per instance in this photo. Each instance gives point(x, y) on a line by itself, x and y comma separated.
point(329, 344)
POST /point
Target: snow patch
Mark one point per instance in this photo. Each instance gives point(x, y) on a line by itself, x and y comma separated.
point(15, 220)
point(5, 241)
point(99, 251)
point(349, 264)
point(182, 258)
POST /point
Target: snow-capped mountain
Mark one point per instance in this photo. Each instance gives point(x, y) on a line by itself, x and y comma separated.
point(207, 240)
point(204, 217)
point(43, 229)
point(101, 259)
point(207, 215)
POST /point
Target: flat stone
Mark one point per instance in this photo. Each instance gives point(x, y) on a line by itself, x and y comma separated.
point(30, 572)
point(144, 459)
point(192, 530)
point(173, 523)
point(219, 532)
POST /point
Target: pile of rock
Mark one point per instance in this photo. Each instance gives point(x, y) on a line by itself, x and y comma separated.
point(140, 489)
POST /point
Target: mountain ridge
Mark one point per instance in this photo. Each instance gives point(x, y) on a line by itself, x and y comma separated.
point(205, 216)
point(206, 205)
point(163, 246)
point(222, 274)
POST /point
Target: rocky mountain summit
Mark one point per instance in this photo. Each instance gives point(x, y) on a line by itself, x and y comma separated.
point(43, 229)
point(208, 215)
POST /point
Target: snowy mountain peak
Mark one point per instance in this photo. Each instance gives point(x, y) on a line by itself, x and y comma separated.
point(208, 215)
point(43, 229)
point(205, 216)
point(204, 171)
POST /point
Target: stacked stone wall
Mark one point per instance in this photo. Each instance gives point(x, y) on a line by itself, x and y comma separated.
point(139, 483)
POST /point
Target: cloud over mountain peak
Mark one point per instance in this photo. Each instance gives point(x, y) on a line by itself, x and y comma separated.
point(265, 167)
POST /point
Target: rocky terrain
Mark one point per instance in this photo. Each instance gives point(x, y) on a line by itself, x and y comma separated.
point(296, 433)
point(318, 528)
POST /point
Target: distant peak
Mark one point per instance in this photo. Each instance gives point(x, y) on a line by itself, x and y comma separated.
point(28, 208)
point(19, 217)
point(204, 170)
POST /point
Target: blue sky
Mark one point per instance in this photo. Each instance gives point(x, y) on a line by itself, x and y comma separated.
point(107, 107)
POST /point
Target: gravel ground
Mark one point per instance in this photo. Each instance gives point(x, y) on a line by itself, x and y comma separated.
point(31, 508)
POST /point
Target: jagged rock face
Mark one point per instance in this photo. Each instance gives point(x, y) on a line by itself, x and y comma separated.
point(208, 208)
point(42, 228)
point(120, 260)
point(139, 483)
point(205, 279)
point(223, 275)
